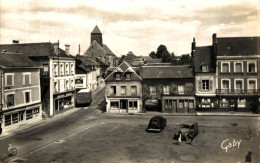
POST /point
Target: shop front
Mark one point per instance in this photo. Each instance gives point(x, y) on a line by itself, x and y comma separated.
point(12, 119)
point(129, 105)
point(63, 101)
point(178, 104)
point(206, 103)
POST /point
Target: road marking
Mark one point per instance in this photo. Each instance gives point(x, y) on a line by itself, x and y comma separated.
point(62, 139)
point(130, 129)
point(112, 129)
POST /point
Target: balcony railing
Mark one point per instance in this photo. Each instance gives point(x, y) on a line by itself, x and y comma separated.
point(238, 91)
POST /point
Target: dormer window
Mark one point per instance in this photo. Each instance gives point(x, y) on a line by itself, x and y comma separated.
point(128, 76)
point(205, 68)
point(118, 76)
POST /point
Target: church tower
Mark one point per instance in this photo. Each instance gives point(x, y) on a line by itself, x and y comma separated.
point(96, 35)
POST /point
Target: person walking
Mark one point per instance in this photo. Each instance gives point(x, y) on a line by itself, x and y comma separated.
point(179, 138)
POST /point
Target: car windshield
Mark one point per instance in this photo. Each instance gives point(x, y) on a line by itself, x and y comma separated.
point(185, 126)
point(154, 122)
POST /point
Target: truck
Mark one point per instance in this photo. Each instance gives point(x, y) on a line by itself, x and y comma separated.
point(83, 97)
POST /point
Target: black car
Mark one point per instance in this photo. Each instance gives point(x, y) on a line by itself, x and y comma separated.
point(156, 124)
point(187, 129)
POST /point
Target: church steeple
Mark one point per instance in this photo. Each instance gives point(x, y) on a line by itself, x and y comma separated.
point(96, 35)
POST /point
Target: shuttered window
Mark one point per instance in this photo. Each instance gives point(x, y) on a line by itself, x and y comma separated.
point(9, 80)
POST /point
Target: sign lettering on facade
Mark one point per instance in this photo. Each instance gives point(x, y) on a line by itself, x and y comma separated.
point(81, 81)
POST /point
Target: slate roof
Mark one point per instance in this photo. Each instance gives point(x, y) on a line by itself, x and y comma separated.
point(107, 50)
point(96, 30)
point(124, 67)
point(84, 63)
point(166, 72)
point(32, 49)
point(238, 46)
point(204, 55)
point(15, 60)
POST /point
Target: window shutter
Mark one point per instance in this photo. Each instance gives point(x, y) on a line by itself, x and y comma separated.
point(9, 80)
point(199, 84)
point(210, 84)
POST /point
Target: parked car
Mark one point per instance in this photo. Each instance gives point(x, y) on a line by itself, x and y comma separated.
point(156, 124)
point(189, 128)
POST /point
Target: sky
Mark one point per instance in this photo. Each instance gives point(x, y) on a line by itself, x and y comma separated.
point(139, 26)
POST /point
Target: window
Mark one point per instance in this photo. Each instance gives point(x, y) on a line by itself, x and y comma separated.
point(223, 103)
point(166, 89)
point(123, 90)
point(56, 88)
point(128, 76)
point(181, 103)
point(238, 85)
point(29, 114)
point(36, 111)
point(67, 68)
point(45, 69)
point(181, 89)
point(118, 76)
point(14, 118)
point(133, 90)
point(205, 68)
point(114, 105)
point(67, 85)
point(10, 100)
point(225, 67)
point(238, 67)
point(26, 78)
point(9, 79)
point(113, 90)
point(168, 104)
point(27, 96)
point(252, 84)
point(8, 120)
point(72, 69)
point(133, 105)
point(71, 83)
point(152, 90)
point(205, 84)
point(251, 67)
point(225, 84)
point(61, 69)
point(241, 102)
point(55, 69)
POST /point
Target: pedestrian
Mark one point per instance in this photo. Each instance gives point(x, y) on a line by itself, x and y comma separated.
point(179, 139)
point(9, 149)
point(191, 137)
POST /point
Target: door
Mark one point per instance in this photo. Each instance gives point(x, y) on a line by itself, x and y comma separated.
point(123, 105)
point(174, 106)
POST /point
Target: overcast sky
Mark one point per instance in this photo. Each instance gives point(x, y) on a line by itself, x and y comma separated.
point(139, 26)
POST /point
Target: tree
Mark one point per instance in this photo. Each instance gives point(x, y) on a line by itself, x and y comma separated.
point(185, 59)
point(153, 55)
point(163, 53)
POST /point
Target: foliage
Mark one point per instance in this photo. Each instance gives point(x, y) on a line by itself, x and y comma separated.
point(153, 55)
point(121, 59)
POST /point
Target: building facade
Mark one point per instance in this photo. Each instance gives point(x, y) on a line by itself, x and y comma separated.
point(57, 73)
point(205, 77)
point(20, 91)
point(237, 73)
point(123, 90)
point(169, 88)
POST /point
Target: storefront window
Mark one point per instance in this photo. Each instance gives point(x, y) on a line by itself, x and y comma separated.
point(36, 111)
point(28, 114)
point(152, 90)
point(223, 102)
point(181, 103)
point(133, 105)
point(15, 118)
point(7, 120)
point(241, 102)
point(114, 105)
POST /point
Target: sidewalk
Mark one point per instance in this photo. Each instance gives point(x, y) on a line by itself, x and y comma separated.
point(239, 114)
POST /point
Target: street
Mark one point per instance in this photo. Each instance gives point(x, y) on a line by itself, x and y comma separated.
point(88, 135)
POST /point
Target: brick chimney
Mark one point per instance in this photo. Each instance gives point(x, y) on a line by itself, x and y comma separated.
point(67, 49)
point(193, 47)
point(214, 43)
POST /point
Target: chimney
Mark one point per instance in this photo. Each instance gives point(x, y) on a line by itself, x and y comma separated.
point(214, 43)
point(15, 41)
point(193, 46)
point(67, 49)
point(56, 47)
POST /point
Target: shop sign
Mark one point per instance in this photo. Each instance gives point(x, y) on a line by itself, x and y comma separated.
point(81, 81)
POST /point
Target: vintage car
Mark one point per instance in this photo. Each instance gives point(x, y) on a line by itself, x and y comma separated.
point(156, 124)
point(186, 130)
